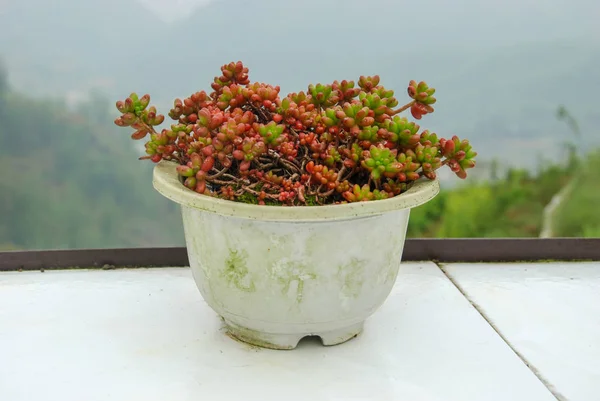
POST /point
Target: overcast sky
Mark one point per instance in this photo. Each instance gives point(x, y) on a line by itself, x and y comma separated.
point(170, 10)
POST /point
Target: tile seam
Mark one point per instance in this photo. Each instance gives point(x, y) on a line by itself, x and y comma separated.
point(530, 366)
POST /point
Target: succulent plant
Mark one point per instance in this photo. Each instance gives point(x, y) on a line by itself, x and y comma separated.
point(335, 143)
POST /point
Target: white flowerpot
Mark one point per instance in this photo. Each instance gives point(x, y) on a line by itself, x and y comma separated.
point(276, 274)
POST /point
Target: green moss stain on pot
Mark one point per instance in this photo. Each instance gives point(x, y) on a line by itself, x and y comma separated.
point(251, 337)
point(236, 272)
point(198, 243)
point(286, 272)
point(351, 277)
point(392, 264)
point(300, 279)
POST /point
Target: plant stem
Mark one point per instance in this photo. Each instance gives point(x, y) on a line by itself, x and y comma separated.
point(340, 173)
point(401, 109)
point(217, 175)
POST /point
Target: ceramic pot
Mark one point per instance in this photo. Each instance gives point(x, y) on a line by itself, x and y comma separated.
point(276, 274)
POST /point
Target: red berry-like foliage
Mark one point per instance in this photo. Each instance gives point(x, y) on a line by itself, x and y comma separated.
point(336, 143)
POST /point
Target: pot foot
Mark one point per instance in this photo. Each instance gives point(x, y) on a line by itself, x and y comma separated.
point(341, 335)
point(290, 341)
point(263, 340)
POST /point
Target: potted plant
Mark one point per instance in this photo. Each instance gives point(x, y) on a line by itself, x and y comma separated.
point(295, 208)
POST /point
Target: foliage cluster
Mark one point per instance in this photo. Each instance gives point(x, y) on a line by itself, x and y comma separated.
point(512, 206)
point(335, 143)
point(68, 180)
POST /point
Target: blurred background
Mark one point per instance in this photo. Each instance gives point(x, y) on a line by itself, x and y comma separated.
point(520, 79)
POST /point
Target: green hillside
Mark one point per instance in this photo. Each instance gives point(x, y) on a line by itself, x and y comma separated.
point(69, 182)
point(579, 214)
point(513, 205)
point(71, 179)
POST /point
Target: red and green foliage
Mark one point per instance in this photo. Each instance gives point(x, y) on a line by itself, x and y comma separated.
point(336, 143)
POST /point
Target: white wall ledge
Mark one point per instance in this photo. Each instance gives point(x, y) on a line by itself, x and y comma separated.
point(146, 334)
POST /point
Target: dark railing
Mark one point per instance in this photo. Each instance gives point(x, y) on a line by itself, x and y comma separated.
point(439, 250)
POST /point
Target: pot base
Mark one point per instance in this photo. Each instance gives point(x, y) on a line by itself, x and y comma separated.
point(290, 341)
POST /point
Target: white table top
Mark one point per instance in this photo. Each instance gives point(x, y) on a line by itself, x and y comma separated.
point(548, 313)
point(146, 334)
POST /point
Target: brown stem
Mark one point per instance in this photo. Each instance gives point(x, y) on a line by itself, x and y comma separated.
point(290, 165)
point(260, 113)
point(340, 173)
point(351, 173)
point(251, 186)
point(149, 127)
point(247, 188)
point(265, 166)
point(301, 197)
point(179, 158)
point(236, 179)
point(219, 174)
point(286, 163)
point(305, 153)
point(273, 155)
point(221, 182)
point(304, 161)
point(401, 109)
point(253, 192)
point(326, 194)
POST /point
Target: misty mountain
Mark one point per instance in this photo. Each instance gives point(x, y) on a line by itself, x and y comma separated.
point(71, 179)
point(500, 70)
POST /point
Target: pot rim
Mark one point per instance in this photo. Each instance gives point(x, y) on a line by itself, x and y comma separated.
point(165, 180)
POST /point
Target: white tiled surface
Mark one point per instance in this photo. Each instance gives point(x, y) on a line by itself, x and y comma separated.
point(549, 313)
point(146, 334)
